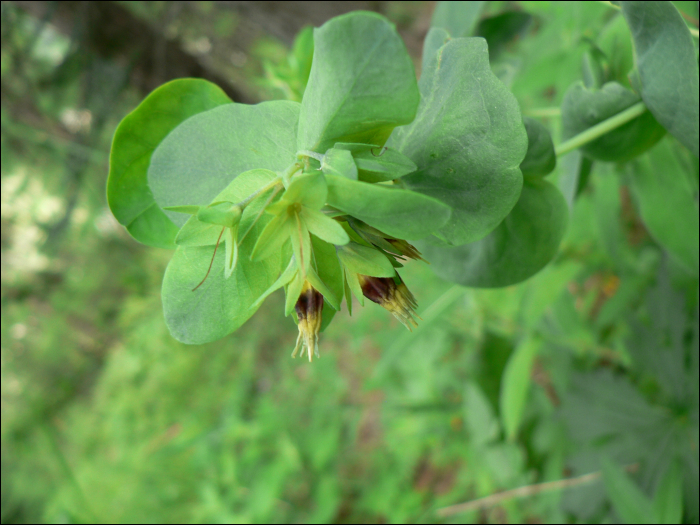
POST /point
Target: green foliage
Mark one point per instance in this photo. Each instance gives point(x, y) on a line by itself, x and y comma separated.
point(667, 66)
point(138, 135)
point(582, 109)
point(571, 349)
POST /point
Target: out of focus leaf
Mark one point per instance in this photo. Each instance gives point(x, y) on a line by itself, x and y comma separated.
point(458, 18)
point(667, 200)
point(501, 29)
point(540, 158)
point(628, 500)
point(583, 109)
point(667, 66)
point(516, 385)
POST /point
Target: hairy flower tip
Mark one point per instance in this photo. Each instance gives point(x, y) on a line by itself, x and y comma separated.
point(308, 309)
point(406, 249)
point(396, 298)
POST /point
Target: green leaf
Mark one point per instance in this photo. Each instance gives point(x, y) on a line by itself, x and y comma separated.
point(516, 385)
point(197, 233)
point(137, 136)
point(399, 213)
point(540, 158)
point(468, 140)
point(366, 261)
point(583, 109)
point(667, 66)
point(517, 249)
point(480, 420)
point(221, 213)
point(271, 239)
point(666, 196)
point(378, 164)
point(358, 92)
point(339, 162)
point(309, 190)
point(459, 18)
point(615, 41)
point(501, 29)
point(323, 227)
point(629, 502)
point(668, 500)
point(219, 306)
point(190, 210)
point(201, 157)
point(575, 169)
point(328, 270)
point(434, 40)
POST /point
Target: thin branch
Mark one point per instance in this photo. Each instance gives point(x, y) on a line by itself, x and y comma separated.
point(524, 492)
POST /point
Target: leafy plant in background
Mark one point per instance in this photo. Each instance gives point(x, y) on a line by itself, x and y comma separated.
point(587, 371)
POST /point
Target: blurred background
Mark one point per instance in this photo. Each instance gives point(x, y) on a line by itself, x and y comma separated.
point(592, 364)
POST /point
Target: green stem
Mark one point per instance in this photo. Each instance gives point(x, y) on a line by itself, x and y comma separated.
point(274, 182)
point(601, 129)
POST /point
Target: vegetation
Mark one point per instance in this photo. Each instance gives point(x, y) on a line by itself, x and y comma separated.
point(558, 348)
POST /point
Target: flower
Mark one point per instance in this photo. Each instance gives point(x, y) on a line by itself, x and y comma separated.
point(308, 308)
point(393, 296)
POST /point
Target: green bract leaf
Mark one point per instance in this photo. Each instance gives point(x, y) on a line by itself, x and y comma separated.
point(328, 269)
point(540, 158)
point(667, 66)
point(399, 213)
point(137, 136)
point(362, 83)
point(339, 162)
point(198, 233)
point(518, 248)
point(204, 154)
point(222, 213)
point(378, 164)
point(468, 140)
point(366, 261)
point(583, 108)
point(666, 196)
point(324, 227)
point(219, 306)
point(308, 190)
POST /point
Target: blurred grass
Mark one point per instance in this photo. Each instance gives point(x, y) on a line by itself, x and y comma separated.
point(105, 417)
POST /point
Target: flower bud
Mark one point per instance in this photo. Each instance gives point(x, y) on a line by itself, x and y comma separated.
point(405, 249)
point(308, 309)
point(396, 298)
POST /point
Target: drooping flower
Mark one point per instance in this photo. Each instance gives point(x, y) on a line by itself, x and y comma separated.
point(308, 308)
point(393, 295)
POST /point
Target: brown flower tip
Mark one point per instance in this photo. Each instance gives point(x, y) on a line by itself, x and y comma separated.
point(308, 309)
point(406, 249)
point(396, 298)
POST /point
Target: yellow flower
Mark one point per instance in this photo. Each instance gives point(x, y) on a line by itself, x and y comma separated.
point(308, 309)
point(394, 297)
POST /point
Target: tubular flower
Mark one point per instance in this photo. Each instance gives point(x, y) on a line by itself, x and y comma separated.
point(308, 309)
point(396, 298)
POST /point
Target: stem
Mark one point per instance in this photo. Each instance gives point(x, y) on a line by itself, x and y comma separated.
point(267, 186)
point(522, 492)
point(601, 129)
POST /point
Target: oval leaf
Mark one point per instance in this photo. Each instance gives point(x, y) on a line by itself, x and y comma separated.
point(137, 136)
point(400, 213)
point(583, 109)
point(219, 306)
point(358, 92)
point(521, 245)
point(667, 66)
point(205, 153)
point(468, 140)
